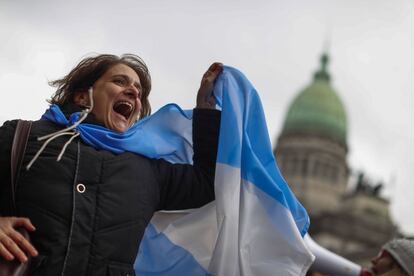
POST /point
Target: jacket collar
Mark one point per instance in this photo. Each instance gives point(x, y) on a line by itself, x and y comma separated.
point(69, 108)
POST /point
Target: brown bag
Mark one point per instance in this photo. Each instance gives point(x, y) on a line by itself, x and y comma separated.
point(15, 267)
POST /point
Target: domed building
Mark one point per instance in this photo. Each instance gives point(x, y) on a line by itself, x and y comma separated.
point(311, 153)
point(312, 148)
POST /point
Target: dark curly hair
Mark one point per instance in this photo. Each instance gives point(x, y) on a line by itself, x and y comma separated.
point(90, 69)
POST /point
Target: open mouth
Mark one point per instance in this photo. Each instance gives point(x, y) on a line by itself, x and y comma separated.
point(124, 108)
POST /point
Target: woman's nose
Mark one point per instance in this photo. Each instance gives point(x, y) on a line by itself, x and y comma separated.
point(132, 91)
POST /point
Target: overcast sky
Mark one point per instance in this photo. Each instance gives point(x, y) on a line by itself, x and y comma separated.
point(276, 43)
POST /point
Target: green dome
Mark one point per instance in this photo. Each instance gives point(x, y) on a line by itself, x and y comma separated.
point(318, 109)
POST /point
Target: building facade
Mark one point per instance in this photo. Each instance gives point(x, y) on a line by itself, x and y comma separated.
point(311, 152)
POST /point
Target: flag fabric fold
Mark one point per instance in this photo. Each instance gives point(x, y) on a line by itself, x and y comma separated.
point(255, 226)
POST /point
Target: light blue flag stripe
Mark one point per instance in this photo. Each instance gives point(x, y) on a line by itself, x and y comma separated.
point(256, 159)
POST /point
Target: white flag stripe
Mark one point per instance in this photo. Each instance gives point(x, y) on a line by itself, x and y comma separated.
point(200, 225)
point(263, 244)
point(258, 245)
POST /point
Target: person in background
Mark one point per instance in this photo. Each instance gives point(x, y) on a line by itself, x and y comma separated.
point(396, 258)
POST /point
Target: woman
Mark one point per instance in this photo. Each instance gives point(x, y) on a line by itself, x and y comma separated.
point(88, 212)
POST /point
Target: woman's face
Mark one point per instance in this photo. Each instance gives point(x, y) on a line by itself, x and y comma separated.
point(116, 96)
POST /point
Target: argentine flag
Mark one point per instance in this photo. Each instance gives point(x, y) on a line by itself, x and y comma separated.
point(255, 226)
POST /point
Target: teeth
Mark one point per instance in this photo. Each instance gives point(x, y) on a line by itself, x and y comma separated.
point(126, 103)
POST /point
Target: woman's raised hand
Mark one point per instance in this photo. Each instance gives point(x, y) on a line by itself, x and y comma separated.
point(12, 243)
point(205, 98)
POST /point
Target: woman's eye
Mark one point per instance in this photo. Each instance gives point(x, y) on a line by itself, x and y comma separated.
point(119, 81)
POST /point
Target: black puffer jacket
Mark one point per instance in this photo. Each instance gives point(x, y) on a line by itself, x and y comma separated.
point(91, 208)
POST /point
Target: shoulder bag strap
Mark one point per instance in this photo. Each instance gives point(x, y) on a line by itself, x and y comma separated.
point(21, 136)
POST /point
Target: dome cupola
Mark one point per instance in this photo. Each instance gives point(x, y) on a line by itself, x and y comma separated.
point(317, 109)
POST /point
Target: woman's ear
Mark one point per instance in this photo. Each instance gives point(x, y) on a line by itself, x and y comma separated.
point(81, 98)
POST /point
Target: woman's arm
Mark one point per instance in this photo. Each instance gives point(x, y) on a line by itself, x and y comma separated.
point(12, 243)
point(191, 186)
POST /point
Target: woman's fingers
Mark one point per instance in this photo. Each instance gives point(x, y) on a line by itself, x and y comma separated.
point(12, 243)
point(5, 253)
point(23, 243)
point(212, 72)
point(205, 98)
point(24, 222)
point(10, 246)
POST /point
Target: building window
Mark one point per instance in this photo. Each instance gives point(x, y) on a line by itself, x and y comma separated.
point(304, 167)
point(295, 166)
point(334, 175)
point(316, 168)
